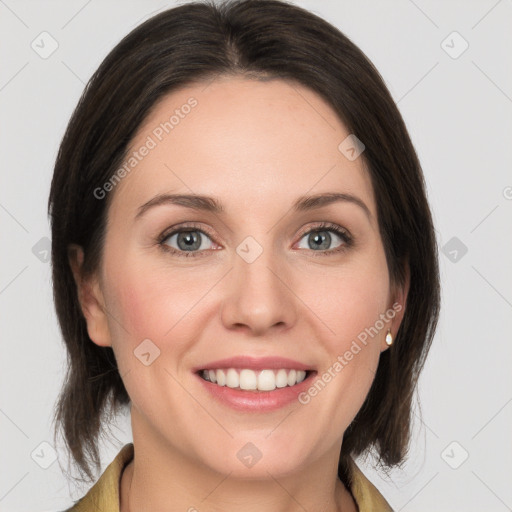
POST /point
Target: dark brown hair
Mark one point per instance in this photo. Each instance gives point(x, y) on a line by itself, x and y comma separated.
point(259, 39)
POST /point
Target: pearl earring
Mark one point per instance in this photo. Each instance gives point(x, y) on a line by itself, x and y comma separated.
point(389, 338)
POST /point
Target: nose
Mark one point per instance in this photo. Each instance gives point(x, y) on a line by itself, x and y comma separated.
point(258, 298)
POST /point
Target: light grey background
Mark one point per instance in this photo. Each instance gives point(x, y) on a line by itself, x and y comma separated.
point(458, 111)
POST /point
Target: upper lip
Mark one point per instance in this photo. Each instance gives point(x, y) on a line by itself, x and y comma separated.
point(254, 363)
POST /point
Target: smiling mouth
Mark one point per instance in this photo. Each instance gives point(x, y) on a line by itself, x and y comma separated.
point(251, 380)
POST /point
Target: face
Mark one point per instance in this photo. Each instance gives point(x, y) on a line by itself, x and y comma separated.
point(268, 290)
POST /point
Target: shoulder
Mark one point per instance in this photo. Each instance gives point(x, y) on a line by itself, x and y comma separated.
point(104, 494)
point(366, 495)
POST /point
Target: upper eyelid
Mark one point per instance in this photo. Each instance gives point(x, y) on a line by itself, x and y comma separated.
point(322, 225)
point(327, 226)
point(177, 229)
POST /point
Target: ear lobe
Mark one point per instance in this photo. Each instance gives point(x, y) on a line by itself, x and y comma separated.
point(399, 304)
point(90, 298)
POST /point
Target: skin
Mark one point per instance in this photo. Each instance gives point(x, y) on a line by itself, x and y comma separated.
point(256, 147)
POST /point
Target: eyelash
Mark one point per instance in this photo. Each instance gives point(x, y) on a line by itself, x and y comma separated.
point(322, 226)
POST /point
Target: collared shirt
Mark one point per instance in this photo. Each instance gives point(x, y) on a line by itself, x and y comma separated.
point(104, 494)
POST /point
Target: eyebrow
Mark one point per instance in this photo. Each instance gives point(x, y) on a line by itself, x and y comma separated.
point(210, 204)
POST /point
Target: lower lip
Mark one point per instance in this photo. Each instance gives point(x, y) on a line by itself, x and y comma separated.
point(257, 401)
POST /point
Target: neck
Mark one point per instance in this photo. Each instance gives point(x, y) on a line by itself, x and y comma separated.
point(164, 478)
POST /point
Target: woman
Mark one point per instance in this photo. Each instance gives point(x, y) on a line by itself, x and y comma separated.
point(244, 255)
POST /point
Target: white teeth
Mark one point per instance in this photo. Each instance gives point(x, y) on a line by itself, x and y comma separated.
point(292, 377)
point(232, 378)
point(281, 379)
point(265, 380)
point(221, 377)
point(248, 380)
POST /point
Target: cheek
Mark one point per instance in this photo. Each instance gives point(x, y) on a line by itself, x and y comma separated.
point(353, 307)
point(149, 302)
point(354, 303)
point(147, 305)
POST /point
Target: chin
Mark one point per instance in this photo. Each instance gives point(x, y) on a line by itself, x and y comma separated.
point(261, 456)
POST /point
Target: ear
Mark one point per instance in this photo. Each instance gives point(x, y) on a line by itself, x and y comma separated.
point(91, 298)
point(398, 305)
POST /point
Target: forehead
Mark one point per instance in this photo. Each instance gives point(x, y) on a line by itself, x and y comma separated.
point(243, 140)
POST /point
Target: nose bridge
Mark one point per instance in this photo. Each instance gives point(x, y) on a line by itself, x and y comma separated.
point(258, 297)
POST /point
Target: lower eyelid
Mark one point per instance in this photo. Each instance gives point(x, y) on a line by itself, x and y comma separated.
point(338, 231)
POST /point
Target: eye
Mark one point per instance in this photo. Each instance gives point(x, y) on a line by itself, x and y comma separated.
point(321, 239)
point(186, 241)
point(190, 241)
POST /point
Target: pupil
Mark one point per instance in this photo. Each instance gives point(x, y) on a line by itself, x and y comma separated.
point(323, 238)
point(190, 241)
